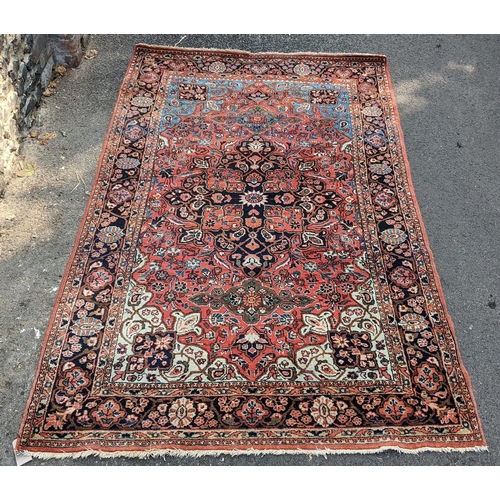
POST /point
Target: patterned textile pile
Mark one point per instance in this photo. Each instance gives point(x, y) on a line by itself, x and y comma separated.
point(251, 274)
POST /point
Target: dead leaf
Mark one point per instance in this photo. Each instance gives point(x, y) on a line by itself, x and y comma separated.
point(47, 92)
point(60, 70)
point(91, 54)
point(27, 171)
point(34, 134)
point(52, 85)
point(48, 136)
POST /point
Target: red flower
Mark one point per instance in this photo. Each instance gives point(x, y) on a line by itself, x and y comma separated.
point(108, 413)
point(428, 377)
point(396, 410)
point(252, 412)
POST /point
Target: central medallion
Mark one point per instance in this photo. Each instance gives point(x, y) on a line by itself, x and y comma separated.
point(254, 200)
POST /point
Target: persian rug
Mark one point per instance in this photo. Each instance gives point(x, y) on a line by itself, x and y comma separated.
point(252, 273)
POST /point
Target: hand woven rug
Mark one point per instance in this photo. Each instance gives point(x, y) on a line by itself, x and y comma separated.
point(252, 273)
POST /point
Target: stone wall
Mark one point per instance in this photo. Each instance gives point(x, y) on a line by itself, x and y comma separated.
point(26, 66)
point(69, 49)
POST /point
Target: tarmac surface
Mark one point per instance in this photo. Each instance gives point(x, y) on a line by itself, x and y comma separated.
point(446, 88)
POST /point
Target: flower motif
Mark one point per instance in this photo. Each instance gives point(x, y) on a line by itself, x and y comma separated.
point(428, 377)
point(193, 264)
point(251, 299)
point(302, 69)
point(448, 416)
point(120, 194)
point(385, 198)
point(376, 138)
point(252, 412)
point(380, 168)
point(310, 266)
point(393, 236)
point(324, 411)
point(87, 326)
point(371, 111)
point(127, 163)
point(396, 410)
point(180, 287)
point(253, 198)
point(182, 412)
point(110, 234)
point(133, 132)
point(108, 413)
point(367, 88)
point(142, 102)
point(99, 278)
point(412, 322)
point(217, 67)
point(343, 73)
point(403, 276)
point(73, 381)
point(149, 77)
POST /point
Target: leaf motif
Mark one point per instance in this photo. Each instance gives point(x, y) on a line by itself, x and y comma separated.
point(198, 204)
point(312, 238)
point(201, 163)
point(306, 165)
point(187, 323)
point(191, 235)
point(316, 324)
point(303, 107)
point(53, 420)
point(213, 105)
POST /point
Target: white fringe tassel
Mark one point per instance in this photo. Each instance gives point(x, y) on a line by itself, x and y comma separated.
point(250, 451)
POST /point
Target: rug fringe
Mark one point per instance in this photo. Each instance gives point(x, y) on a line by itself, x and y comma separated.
point(239, 51)
point(250, 451)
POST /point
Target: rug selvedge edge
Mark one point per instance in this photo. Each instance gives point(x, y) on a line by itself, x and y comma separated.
point(435, 274)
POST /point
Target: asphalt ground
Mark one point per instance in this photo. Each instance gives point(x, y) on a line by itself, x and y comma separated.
point(446, 88)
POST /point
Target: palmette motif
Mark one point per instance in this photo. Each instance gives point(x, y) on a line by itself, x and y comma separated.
point(252, 272)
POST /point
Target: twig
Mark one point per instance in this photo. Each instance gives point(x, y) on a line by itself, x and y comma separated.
point(80, 178)
point(182, 38)
point(465, 251)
